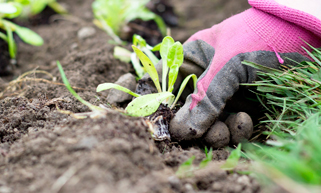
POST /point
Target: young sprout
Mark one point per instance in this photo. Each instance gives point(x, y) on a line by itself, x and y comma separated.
point(128, 56)
point(12, 10)
point(172, 57)
point(113, 15)
point(96, 111)
point(186, 169)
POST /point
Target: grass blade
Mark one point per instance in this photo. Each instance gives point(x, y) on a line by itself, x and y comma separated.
point(233, 159)
point(72, 91)
point(106, 86)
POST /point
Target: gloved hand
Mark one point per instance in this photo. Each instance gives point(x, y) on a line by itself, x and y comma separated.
point(269, 34)
point(266, 34)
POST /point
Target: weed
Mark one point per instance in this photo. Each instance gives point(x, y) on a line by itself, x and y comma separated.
point(233, 159)
point(187, 168)
point(291, 157)
point(96, 111)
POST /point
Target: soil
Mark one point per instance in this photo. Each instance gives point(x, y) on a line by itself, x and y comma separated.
point(45, 150)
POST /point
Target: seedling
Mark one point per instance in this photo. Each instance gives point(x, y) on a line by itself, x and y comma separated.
point(113, 15)
point(12, 10)
point(96, 111)
point(142, 106)
point(187, 168)
point(128, 56)
point(34, 7)
point(208, 158)
point(172, 58)
point(233, 159)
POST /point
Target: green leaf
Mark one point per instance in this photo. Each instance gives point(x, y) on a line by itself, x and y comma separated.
point(148, 66)
point(233, 159)
point(207, 159)
point(263, 68)
point(317, 75)
point(175, 59)
point(28, 36)
point(139, 41)
point(122, 54)
point(7, 8)
point(175, 55)
point(161, 24)
point(3, 36)
point(150, 55)
point(72, 91)
point(147, 104)
point(106, 86)
point(57, 7)
point(140, 71)
point(186, 168)
point(182, 87)
point(37, 6)
point(164, 49)
point(157, 47)
point(10, 7)
point(11, 42)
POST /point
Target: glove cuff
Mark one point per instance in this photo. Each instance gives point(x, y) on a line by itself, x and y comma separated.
point(300, 18)
point(287, 36)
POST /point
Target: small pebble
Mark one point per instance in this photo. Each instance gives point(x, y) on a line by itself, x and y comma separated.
point(86, 143)
point(86, 32)
point(116, 96)
point(175, 182)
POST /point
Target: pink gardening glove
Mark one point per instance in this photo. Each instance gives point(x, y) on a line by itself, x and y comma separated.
point(265, 34)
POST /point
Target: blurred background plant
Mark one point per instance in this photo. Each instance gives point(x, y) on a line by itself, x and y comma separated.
point(9, 11)
point(34, 7)
point(114, 15)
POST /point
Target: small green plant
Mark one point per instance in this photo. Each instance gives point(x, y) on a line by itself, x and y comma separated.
point(96, 111)
point(208, 158)
point(172, 58)
point(12, 10)
point(113, 15)
point(34, 7)
point(187, 168)
point(233, 159)
point(147, 104)
point(128, 56)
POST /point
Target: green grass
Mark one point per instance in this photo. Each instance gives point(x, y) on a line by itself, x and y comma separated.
point(292, 156)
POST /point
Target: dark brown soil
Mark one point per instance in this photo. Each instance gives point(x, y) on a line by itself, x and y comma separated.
point(5, 67)
point(44, 150)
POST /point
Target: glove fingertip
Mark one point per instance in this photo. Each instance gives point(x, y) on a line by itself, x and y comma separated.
point(183, 127)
